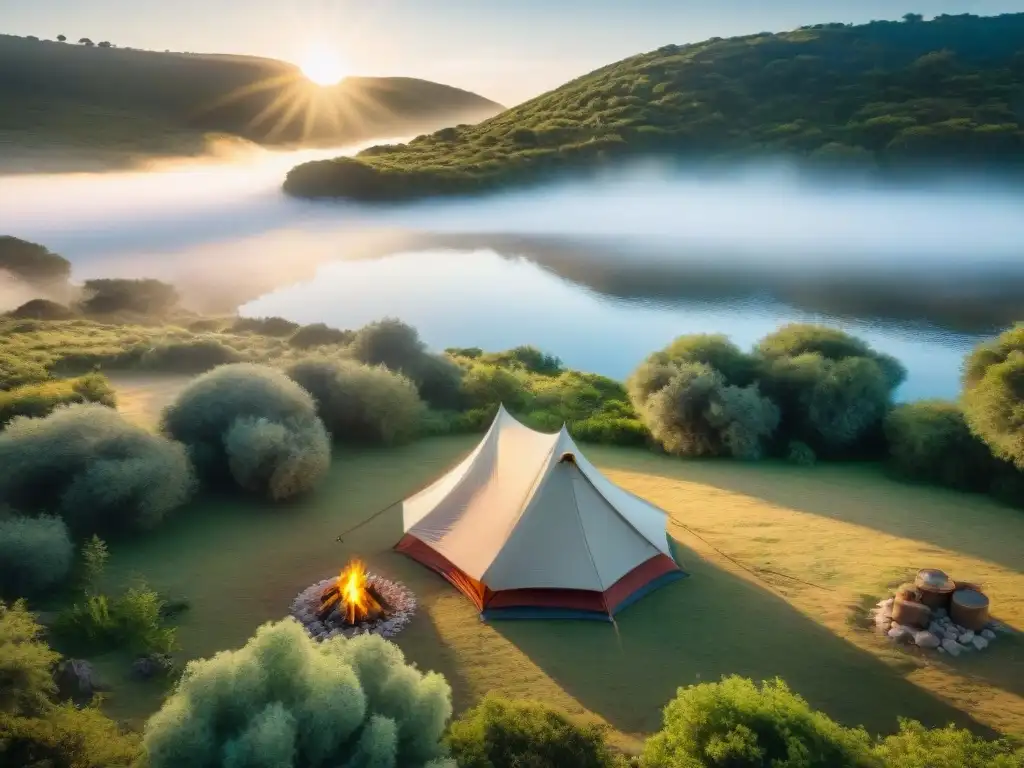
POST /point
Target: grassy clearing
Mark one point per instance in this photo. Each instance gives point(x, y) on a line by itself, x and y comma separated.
point(846, 528)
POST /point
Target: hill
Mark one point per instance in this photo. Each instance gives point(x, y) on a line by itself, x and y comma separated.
point(885, 94)
point(59, 94)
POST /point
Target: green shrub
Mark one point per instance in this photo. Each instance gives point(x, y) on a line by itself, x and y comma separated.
point(94, 469)
point(143, 296)
point(712, 349)
point(284, 700)
point(67, 737)
point(527, 358)
point(832, 389)
point(42, 309)
point(359, 403)
point(191, 356)
point(930, 441)
point(487, 386)
point(506, 734)
point(277, 459)
point(319, 335)
point(35, 554)
point(391, 343)
point(98, 623)
point(31, 262)
point(265, 326)
point(16, 371)
point(918, 747)
point(26, 663)
point(439, 381)
point(737, 724)
point(695, 413)
point(609, 430)
point(993, 394)
point(251, 426)
point(800, 454)
point(39, 400)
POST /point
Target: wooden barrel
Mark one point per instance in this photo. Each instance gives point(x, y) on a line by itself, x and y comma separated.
point(935, 588)
point(911, 613)
point(969, 608)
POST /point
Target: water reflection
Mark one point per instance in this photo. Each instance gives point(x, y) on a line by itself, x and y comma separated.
point(481, 298)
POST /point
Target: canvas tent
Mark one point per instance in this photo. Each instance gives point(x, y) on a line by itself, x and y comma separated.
point(526, 527)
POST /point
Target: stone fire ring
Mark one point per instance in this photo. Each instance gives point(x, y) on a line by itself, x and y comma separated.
point(400, 600)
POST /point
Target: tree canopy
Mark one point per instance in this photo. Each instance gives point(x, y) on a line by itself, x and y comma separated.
point(885, 94)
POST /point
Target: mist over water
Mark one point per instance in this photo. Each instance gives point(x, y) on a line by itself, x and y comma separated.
point(599, 271)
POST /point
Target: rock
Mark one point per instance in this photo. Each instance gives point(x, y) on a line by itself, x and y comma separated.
point(988, 634)
point(951, 646)
point(966, 637)
point(979, 642)
point(926, 640)
point(951, 634)
point(77, 681)
point(898, 632)
point(959, 629)
point(885, 603)
point(152, 665)
point(941, 649)
point(941, 613)
point(936, 629)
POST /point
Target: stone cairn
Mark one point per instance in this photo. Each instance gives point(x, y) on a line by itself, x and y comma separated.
point(400, 606)
point(941, 635)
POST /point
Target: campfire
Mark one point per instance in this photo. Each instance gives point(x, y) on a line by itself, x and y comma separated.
point(351, 599)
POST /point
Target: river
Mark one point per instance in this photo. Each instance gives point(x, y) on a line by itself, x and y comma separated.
point(598, 272)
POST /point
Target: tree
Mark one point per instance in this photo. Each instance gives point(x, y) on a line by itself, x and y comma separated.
point(993, 394)
point(283, 700)
point(32, 263)
point(86, 42)
point(61, 39)
point(105, 44)
point(912, 18)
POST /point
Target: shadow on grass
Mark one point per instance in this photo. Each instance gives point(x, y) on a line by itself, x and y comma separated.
point(859, 494)
point(710, 625)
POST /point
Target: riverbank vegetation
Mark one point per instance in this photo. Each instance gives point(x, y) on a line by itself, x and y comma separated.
point(883, 95)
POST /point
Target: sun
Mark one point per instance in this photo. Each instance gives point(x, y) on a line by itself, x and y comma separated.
point(323, 66)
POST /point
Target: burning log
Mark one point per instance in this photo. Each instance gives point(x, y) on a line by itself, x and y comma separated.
point(352, 597)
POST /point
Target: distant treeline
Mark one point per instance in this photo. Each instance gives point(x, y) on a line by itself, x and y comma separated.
point(894, 96)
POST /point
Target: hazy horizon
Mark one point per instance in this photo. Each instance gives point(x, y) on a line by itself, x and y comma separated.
point(505, 52)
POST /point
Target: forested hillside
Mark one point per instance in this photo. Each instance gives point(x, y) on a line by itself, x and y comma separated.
point(885, 94)
point(101, 97)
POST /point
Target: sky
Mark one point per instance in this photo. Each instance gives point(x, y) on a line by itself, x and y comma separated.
point(507, 50)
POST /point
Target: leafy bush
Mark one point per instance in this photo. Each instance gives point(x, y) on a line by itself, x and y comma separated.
point(66, 737)
point(93, 468)
point(800, 454)
point(31, 262)
point(391, 343)
point(265, 326)
point(98, 623)
point(142, 296)
point(361, 404)
point(39, 400)
point(930, 441)
point(527, 358)
point(486, 386)
point(252, 426)
point(918, 747)
point(26, 663)
point(610, 430)
point(832, 389)
point(17, 371)
point(712, 349)
point(691, 411)
point(993, 395)
point(192, 356)
point(285, 700)
point(319, 335)
point(42, 309)
point(736, 723)
point(439, 381)
point(35, 733)
point(505, 734)
point(35, 554)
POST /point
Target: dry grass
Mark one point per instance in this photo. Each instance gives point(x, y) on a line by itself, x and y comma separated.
point(847, 529)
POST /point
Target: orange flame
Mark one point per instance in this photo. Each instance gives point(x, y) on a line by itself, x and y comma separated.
point(352, 584)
